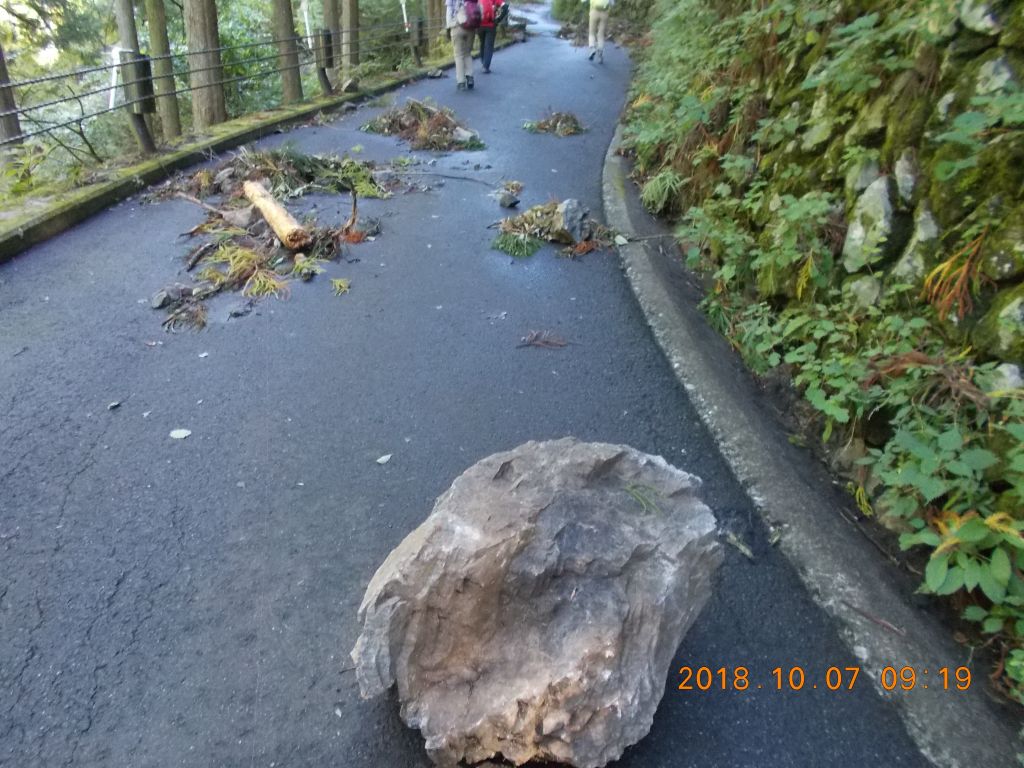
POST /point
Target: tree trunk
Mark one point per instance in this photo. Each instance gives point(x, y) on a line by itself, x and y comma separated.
point(206, 72)
point(287, 51)
point(331, 22)
point(10, 126)
point(128, 38)
point(163, 69)
point(349, 35)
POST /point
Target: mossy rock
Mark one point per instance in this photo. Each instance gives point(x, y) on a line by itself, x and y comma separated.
point(877, 232)
point(982, 17)
point(869, 127)
point(1000, 332)
point(911, 108)
point(999, 171)
point(1002, 255)
point(920, 255)
point(1013, 27)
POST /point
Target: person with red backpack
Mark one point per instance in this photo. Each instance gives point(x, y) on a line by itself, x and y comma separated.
point(463, 20)
point(491, 12)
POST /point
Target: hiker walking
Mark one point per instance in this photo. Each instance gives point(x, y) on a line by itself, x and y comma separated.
point(463, 19)
point(598, 25)
point(491, 11)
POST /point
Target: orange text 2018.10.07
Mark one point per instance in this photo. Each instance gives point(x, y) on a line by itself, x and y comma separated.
point(837, 678)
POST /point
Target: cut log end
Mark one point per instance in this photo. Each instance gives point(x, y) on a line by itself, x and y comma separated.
point(292, 235)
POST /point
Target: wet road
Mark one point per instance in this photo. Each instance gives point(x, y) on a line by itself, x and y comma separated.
point(192, 603)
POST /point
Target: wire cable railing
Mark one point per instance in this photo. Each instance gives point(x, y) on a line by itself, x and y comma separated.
point(375, 42)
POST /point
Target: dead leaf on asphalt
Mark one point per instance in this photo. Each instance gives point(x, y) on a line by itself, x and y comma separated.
point(180, 434)
point(543, 339)
point(384, 459)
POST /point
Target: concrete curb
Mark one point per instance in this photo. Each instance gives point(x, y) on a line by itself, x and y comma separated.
point(840, 568)
point(80, 204)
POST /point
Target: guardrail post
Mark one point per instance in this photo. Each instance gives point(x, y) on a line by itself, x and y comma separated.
point(10, 126)
point(324, 59)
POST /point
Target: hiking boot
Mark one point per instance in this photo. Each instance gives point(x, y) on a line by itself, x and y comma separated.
point(600, 57)
point(592, 55)
point(469, 82)
point(460, 86)
point(487, 70)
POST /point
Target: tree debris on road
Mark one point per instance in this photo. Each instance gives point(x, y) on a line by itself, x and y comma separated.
point(425, 126)
point(558, 123)
point(567, 222)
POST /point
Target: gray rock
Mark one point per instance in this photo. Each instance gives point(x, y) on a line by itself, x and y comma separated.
point(870, 226)
point(821, 126)
point(507, 200)
point(242, 309)
point(435, 73)
point(349, 106)
point(223, 179)
point(463, 135)
point(350, 86)
point(861, 175)
point(906, 172)
point(172, 294)
point(863, 290)
point(535, 613)
point(368, 225)
point(923, 244)
point(572, 223)
point(978, 17)
point(995, 75)
point(1006, 376)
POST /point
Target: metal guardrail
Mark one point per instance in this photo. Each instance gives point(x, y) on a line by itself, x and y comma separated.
point(316, 51)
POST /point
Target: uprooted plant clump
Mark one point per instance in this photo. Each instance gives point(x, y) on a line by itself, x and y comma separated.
point(567, 222)
point(246, 254)
point(285, 171)
point(425, 126)
point(558, 123)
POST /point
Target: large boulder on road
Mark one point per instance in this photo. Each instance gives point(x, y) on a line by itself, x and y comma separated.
point(535, 613)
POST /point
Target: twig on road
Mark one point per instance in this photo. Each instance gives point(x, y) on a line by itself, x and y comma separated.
point(880, 622)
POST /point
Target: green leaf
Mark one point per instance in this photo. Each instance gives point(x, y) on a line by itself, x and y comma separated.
point(974, 613)
point(978, 459)
point(992, 624)
point(972, 573)
point(935, 572)
point(999, 566)
point(930, 487)
point(950, 440)
point(954, 582)
point(993, 590)
point(973, 531)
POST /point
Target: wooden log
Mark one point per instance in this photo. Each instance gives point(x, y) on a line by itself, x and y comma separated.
point(291, 234)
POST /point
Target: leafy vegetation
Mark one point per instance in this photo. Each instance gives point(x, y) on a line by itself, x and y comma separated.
point(846, 177)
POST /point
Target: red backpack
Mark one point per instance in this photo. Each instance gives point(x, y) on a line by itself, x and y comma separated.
point(487, 13)
point(469, 14)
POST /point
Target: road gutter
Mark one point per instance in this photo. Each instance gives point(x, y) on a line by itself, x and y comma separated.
point(842, 571)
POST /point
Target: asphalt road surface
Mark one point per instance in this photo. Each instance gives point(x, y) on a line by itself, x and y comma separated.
point(193, 602)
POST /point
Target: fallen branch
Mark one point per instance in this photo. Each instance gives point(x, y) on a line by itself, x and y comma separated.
point(292, 234)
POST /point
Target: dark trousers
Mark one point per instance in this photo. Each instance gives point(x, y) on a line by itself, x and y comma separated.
point(487, 35)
